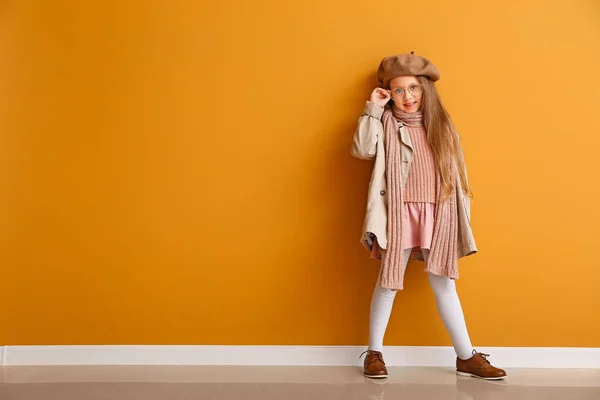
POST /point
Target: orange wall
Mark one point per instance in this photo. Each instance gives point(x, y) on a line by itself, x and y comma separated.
point(173, 173)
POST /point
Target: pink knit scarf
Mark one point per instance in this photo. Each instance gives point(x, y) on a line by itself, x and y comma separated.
point(443, 255)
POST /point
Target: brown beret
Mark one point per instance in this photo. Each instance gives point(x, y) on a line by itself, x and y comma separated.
point(405, 65)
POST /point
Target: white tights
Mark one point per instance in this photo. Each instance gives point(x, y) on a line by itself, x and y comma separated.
point(448, 306)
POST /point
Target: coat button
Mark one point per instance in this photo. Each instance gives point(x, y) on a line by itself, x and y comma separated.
point(382, 192)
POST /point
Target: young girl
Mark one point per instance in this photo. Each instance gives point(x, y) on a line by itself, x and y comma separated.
point(418, 205)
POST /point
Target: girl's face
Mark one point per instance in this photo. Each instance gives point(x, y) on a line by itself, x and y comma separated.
point(407, 93)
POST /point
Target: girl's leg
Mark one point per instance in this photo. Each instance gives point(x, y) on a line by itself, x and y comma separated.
point(451, 312)
point(381, 309)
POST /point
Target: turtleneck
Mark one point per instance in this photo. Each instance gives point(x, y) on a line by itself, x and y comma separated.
point(409, 119)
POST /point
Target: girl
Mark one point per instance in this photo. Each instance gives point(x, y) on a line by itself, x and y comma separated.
point(418, 205)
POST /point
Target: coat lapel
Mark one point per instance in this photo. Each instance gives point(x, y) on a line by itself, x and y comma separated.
point(405, 138)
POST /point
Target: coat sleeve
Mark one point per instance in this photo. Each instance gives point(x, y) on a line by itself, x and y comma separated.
point(368, 132)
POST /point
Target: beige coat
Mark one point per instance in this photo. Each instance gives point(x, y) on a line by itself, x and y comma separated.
point(368, 144)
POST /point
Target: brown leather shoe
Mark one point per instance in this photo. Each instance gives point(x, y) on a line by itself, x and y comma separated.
point(478, 366)
point(374, 365)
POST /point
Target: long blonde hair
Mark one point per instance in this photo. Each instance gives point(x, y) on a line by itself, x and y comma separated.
point(443, 139)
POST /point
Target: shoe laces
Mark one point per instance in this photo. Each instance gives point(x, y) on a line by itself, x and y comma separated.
point(376, 355)
point(482, 355)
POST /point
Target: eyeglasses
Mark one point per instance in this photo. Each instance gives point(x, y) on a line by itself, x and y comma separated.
point(415, 89)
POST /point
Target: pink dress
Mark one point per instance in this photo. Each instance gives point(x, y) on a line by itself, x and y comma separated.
point(417, 228)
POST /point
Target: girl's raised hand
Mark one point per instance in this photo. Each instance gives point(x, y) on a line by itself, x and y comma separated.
point(380, 96)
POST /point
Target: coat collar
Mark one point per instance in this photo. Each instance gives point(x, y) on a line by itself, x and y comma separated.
point(404, 136)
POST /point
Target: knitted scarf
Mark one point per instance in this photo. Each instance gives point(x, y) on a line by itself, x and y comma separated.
point(443, 255)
